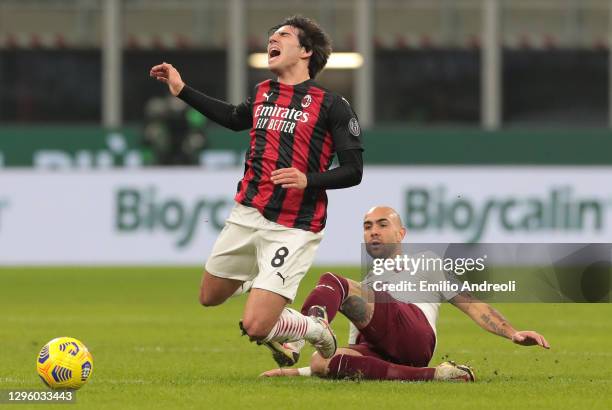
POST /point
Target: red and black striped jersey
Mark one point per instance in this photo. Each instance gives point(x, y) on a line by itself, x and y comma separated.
point(300, 126)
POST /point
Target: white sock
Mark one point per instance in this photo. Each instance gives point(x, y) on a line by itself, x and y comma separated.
point(293, 326)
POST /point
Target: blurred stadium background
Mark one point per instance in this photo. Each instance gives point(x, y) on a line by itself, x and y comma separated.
point(494, 115)
point(484, 120)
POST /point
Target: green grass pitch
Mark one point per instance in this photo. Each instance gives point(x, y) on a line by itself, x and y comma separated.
point(154, 347)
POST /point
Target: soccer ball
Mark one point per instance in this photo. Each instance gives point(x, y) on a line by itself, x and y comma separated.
point(64, 363)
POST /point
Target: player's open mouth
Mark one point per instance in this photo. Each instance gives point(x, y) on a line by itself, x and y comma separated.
point(273, 53)
point(374, 245)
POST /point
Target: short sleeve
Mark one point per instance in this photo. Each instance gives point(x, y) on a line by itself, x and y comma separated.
point(441, 276)
point(447, 293)
point(344, 125)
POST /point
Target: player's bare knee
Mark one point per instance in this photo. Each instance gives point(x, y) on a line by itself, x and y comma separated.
point(207, 299)
point(329, 275)
point(319, 365)
point(255, 329)
point(208, 302)
point(355, 308)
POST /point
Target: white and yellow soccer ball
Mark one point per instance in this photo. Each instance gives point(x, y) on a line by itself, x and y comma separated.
point(64, 363)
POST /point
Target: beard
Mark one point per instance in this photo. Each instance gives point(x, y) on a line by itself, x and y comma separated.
point(383, 250)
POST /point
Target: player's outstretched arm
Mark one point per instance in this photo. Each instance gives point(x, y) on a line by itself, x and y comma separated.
point(286, 372)
point(228, 115)
point(491, 320)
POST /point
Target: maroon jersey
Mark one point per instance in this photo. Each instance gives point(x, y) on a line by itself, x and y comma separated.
point(299, 126)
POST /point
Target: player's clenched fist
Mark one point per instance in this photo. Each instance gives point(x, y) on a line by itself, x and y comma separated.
point(289, 178)
point(166, 73)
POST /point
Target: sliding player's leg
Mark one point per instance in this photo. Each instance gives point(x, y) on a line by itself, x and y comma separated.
point(335, 293)
point(397, 343)
point(318, 366)
point(347, 364)
point(284, 257)
point(372, 368)
point(327, 296)
point(360, 362)
point(400, 331)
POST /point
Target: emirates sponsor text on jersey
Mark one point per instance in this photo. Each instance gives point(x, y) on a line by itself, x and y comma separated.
point(276, 118)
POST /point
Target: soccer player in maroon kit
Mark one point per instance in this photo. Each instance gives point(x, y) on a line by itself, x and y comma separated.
point(395, 340)
point(272, 233)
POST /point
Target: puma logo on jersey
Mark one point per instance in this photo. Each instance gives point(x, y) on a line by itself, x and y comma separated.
point(281, 276)
point(267, 96)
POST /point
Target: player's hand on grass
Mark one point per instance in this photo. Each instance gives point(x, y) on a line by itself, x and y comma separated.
point(530, 338)
point(280, 372)
point(167, 74)
point(289, 178)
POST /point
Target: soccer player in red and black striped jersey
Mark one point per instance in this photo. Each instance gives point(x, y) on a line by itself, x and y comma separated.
point(271, 236)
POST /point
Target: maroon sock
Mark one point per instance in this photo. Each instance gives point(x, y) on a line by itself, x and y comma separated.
point(372, 368)
point(330, 292)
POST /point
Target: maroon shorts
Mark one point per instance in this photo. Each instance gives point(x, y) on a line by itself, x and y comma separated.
point(398, 333)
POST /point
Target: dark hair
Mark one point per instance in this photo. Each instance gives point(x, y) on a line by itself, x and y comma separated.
point(312, 37)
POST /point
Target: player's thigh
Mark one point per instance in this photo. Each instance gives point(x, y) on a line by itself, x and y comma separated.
point(415, 337)
point(215, 290)
point(284, 257)
point(234, 254)
point(365, 350)
point(232, 261)
point(320, 366)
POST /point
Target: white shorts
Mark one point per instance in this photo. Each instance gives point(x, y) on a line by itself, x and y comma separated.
point(273, 256)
